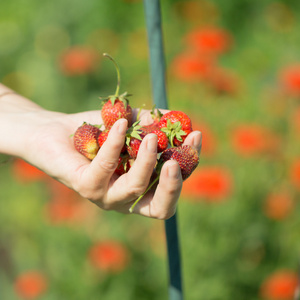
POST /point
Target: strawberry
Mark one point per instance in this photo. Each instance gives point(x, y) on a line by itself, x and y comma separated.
point(187, 158)
point(102, 138)
point(133, 140)
point(116, 106)
point(177, 125)
point(149, 129)
point(123, 165)
point(162, 140)
point(85, 140)
point(133, 147)
point(115, 109)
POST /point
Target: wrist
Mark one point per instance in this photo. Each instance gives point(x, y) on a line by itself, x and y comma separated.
point(19, 117)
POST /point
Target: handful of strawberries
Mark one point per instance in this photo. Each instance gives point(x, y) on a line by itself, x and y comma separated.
point(171, 129)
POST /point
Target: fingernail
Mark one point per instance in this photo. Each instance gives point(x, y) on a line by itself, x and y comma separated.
point(152, 142)
point(122, 126)
point(173, 170)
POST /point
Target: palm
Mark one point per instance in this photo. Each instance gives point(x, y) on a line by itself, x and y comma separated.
point(53, 151)
point(57, 153)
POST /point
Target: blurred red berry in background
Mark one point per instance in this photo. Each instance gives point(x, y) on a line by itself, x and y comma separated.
point(24, 172)
point(278, 205)
point(212, 40)
point(223, 81)
point(65, 205)
point(78, 60)
point(212, 183)
point(109, 256)
point(295, 173)
point(30, 285)
point(289, 78)
point(250, 139)
point(63, 210)
point(191, 67)
point(280, 285)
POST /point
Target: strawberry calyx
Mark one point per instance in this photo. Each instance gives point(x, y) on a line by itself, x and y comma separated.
point(156, 114)
point(173, 130)
point(133, 132)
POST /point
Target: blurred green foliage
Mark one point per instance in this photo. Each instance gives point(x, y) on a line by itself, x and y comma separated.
point(228, 247)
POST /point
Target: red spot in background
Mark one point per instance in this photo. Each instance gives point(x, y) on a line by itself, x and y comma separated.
point(223, 81)
point(31, 284)
point(211, 183)
point(109, 256)
point(25, 173)
point(295, 173)
point(191, 67)
point(280, 285)
point(66, 206)
point(278, 205)
point(210, 40)
point(251, 139)
point(78, 60)
point(289, 79)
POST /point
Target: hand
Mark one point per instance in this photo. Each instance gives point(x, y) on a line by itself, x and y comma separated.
point(52, 150)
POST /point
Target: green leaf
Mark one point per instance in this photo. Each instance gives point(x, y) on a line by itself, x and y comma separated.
point(136, 135)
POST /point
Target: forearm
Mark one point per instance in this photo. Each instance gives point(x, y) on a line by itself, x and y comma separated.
point(17, 117)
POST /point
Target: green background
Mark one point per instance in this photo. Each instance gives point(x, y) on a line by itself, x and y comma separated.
point(228, 247)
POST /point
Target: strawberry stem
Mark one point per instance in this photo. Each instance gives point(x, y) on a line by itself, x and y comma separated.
point(118, 73)
point(140, 197)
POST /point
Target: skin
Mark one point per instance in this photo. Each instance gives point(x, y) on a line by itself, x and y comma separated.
point(42, 138)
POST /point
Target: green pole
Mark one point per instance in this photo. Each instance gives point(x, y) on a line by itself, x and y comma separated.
point(157, 66)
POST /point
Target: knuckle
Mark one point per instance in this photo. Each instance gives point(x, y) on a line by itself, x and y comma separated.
point(104, 205)
point(87, 194)
point(108, 165)
point(165, 215)
point(136, 190)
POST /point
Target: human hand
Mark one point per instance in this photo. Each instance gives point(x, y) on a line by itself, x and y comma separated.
point(52, 150)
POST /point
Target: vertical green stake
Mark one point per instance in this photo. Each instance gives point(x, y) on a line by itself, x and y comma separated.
point(157, 63)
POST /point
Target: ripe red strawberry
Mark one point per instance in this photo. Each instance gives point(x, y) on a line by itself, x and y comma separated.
point(177, 125)
point(149, 129)
point(85, 140)
point(115, 109)
point(102, 138)
point(116, 106)
point(133, 147)
point(162, 140)
point(123, 166)
point(187, 158)
point(133, 139)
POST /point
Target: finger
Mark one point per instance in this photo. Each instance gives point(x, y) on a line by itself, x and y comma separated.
point(162, 205)
point(132, 184)
point(102, 167)
point(194, 139)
